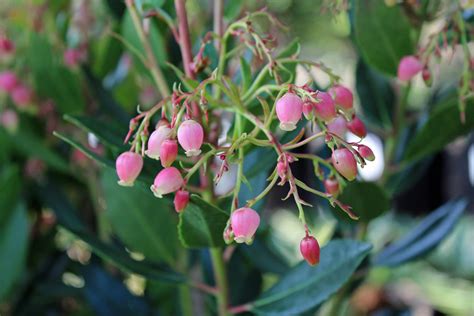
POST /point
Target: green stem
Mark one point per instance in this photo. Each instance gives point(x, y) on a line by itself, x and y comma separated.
point(221, 280)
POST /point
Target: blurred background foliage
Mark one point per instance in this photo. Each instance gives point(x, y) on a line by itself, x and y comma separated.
point(72, 242)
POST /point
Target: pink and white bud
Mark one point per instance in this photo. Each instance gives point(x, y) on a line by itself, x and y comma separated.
point(325, 108)
point(309, 248)
point(282, 169)
point(155, 141)
point(8, 81)
point(9, 120)
point(289, 109)
point(22, 95)
point(343, 97)
point(366, 153)
point(167, 181)
point(357, 127)
point(128, 166)
point(344, 162)
point(244, 222)
point(332, 186)
point(168, 152)
point(338, 126)
point(6, 46)
point(408, 67)
point(181, 200)
point(190, 137)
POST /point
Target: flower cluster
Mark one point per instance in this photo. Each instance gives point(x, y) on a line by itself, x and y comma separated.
point(185, 140)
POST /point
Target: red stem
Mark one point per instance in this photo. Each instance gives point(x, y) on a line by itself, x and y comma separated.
point(239, 309)
point(184, 39)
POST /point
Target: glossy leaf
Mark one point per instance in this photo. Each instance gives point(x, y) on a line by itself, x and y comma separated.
point(264, 257)
point(376, 95)
point(143, 222)
point(383, 34)
point(202, 224)
point(367, 200)
point(13, 247)
point(305, 287)
point(442, 127)
point(423, 237)
point(67, 217)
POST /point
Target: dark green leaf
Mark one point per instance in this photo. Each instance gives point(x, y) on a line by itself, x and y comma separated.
point(13, 247)
point(424, 237)
point(143, 222)
point(202, 224)
point(442, 127)
point(9, 193)
point(383, 34)
point(265, 258)
point(67, 217)
point(376, 95)
point(245, 73)
point(305, 287)
point(367, 200)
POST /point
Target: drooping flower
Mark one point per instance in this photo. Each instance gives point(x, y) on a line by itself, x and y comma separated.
point(168, 152)
point(289, 109)
point(244, 222)
point(8, 81)
point(408, 67)
point(325, 108)
point(157, 138)
point(309, 248)
point(167, 181)
point(343, 97)
point(128, 166)
point(181, 200)
point(332, 186)
point(190, 137)
point(357, 127)
point(344, 162)
point(366, 153)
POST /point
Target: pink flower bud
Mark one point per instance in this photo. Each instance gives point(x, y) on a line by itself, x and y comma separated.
point(409, 66)
point(181, 200)
point(9, 120)
point(6, 46)
point(344, 162)
point(357, 127)
point(155, 141)
point(8, 81)
point(281, 170)
point(168, 152)
point(289, 109)
point(325, 109)
point(342, 97)
point(338, 126)
point(332, 186)
point(310, 250)
point(308, 110)
point(72, 57)
point(128, 166)
point(366, 153)
point(190, 137)
point(22, 95)
point(244, 222)
point(167, 181)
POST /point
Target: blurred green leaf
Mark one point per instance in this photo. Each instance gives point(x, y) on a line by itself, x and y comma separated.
point(264, 257)
point(290, 50)
point(13, 247)
point(143, 222)
point(67, 217)
point(367, 200)
point(246, 74)
point(305, 287)
point(10, 184)
point(202, 224)
point(424, 237)
point(106, 54)
point(376, 95)
point(442, 127)
point(383, 34)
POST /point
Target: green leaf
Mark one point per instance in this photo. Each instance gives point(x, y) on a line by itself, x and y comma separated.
point(201, 224)
point(246, 74)
point(291, 50)
point(89, 153)
point(442, 127)
point(376, 95)
point(108, 133)
point(305, 287)
point(13, 247)
point(106, 54)
point(156, 40)
point(143, 222)
point(367, 200)
point(67, 217)
point(383, 34)
point(424, 237)
point(10, 191)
